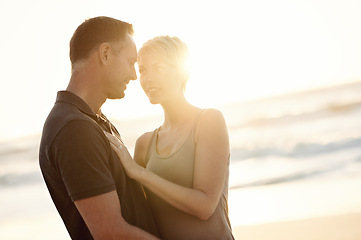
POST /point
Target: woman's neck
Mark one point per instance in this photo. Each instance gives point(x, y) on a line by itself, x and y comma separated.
point(177, 112)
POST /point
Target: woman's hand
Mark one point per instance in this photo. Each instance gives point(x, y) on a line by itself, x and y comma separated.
point(132, 169)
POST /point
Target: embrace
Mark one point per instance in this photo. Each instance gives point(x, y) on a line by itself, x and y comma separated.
point(176, 185)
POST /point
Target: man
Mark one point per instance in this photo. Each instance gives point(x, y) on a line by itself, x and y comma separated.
point(86, 181)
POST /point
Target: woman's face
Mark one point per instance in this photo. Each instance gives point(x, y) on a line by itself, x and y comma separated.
point(158, 79)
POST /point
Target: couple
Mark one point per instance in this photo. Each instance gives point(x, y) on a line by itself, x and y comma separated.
point(95, 184)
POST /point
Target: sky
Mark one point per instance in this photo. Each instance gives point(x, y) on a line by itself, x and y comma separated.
point(239, 50)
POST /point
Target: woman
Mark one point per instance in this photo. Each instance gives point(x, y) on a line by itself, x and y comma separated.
point(183, 164)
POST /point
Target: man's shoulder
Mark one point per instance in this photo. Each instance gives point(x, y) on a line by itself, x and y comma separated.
point(67, 112)
point(64, 115)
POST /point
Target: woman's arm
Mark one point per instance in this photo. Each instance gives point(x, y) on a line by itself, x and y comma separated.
point(211, 162)
point(141, 149)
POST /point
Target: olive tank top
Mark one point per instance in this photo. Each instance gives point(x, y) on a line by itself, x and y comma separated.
point(178, 168)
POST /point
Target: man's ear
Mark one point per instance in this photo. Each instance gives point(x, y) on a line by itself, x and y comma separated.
point(104, 53)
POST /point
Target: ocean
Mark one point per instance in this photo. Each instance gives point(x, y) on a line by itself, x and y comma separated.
point(303, 135)
point(299, 136)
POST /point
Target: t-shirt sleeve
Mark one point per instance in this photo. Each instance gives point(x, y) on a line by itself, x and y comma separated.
point(82, 154)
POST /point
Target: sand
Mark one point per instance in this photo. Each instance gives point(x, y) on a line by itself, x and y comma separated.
point(327, 208)
point(341, 227)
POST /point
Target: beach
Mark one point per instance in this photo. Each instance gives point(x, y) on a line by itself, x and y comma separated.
point(312, 209)
point(295, 170)
point(308, 209)
point(340, 227)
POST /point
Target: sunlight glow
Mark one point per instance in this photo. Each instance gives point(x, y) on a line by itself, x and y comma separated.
point(238, 52)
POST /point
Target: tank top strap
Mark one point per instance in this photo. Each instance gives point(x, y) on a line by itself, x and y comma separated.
point(151, 146)
point(196, 120)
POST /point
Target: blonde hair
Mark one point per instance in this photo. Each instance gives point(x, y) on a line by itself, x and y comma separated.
point(170, 50)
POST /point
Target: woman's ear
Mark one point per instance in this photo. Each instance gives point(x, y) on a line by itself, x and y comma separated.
point(180, 82)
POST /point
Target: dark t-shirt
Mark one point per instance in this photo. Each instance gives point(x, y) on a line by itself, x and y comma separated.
point(77, 162)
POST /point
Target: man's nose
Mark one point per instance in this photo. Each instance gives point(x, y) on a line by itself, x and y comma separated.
point(133, 75)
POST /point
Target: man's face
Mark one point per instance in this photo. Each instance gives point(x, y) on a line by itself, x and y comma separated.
point(121, 67)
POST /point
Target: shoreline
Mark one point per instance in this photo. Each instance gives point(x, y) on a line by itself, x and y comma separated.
point(327, 207)
point(304, 199)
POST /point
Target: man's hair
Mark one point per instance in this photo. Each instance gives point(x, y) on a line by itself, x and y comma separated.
point(169, 50)
point(92, 33)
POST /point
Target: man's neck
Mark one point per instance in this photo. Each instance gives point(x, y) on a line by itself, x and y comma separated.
point(83, 87)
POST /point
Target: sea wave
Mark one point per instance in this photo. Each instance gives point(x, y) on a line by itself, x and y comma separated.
point(300, 150)
point(280, 139)
point(19, 179)
point(331, 101)
point(272, 170)
point(326, 111)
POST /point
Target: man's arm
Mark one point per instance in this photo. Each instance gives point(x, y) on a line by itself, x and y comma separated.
point(102, 215)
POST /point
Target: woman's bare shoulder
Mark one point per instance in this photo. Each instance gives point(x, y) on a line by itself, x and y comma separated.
point(141, 148)
point(144, 139)
point(211, 117)
point(210, 124)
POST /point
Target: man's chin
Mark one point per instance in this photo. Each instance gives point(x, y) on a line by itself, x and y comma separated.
point(119, 96)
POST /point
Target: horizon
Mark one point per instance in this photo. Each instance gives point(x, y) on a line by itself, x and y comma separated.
point(159, 114)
